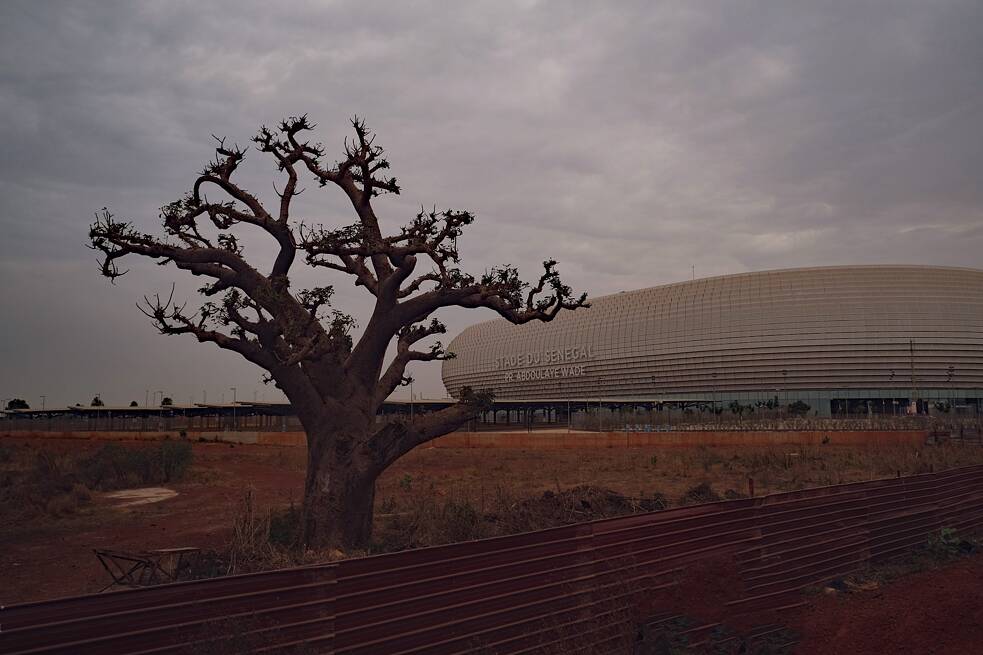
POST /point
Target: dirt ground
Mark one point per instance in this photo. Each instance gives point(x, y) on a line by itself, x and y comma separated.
point(937, 611)
point(50, 557)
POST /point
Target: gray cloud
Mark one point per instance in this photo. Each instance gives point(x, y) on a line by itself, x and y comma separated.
point(629, 141)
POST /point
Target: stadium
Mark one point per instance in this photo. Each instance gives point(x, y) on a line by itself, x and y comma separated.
point(846, 339)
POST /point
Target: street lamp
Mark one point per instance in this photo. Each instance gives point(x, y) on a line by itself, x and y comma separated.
point(233, 390)
point(43, 397)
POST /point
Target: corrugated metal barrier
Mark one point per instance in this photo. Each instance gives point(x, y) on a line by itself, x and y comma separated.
point(572, 589)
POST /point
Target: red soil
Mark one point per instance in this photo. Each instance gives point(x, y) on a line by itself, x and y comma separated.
point(938, 611)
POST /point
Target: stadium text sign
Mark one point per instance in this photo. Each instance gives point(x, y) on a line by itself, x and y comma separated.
point(562, 359)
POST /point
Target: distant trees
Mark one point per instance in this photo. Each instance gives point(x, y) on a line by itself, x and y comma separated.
point(97, 402)
point(17, 403)
point(799, 408)
point(166, 402)
point(133, 403)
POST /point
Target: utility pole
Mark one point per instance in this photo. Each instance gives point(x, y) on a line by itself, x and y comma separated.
point(146, 397)
point(43, 399)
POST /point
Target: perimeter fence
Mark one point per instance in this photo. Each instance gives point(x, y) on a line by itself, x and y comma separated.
point(576, 589)
point(606, 421)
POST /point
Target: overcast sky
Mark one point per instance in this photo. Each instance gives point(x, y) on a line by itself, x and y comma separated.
point(630, 141)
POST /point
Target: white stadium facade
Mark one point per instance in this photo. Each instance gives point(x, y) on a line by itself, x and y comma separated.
point(875, 339)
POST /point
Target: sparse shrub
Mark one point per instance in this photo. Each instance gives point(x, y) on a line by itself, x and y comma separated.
point(116, 467)
point(654, 503)
point(175, 459)
point(250, 542)
point(701, 493)
point(285, 527)
point(37, 481)
point(81, 493)
point(61, 505)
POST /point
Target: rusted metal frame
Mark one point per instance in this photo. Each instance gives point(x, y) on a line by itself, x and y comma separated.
point(121, 571)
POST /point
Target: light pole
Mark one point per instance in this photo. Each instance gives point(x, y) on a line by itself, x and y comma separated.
point(894, 401)
point(713, 396)
point(785, 388)
point(950, 373)
point(146, 397)
point(43, 397)
point(411, 400)
point(233, 390)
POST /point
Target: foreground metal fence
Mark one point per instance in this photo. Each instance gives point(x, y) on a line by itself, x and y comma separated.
point(572, 589)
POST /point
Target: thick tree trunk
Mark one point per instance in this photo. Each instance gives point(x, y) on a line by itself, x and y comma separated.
point(339, 491)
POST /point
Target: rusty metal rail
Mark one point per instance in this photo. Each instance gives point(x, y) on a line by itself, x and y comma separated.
point(574, 588)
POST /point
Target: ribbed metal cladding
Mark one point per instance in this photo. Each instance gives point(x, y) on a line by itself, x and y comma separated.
point(830, 328)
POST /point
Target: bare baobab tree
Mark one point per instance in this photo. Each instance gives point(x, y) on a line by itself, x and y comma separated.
point(335, 383)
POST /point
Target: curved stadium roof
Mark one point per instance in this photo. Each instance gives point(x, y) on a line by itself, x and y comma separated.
point(835, 328)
